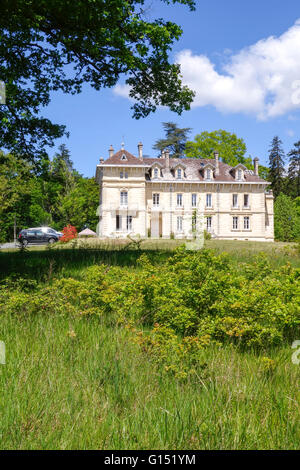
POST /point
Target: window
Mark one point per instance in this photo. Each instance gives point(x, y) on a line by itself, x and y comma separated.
point(246, 223)
point(123, 157)
point(155, 172)
point(126, 175)
point(179, 200)
point(129, 223)
point(121, 175)
point(208, 200)
point(179, 173)
point(239, 175)
point(155, 199)
point(234, 200)
point(208, 174)
point(235, 223)
point(118, 222)
point(194, 200)
point(246, 200)
point(208, 223)
point(179, 224)
point(124, 198)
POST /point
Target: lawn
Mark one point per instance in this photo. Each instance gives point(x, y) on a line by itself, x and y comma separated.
point(82, 374)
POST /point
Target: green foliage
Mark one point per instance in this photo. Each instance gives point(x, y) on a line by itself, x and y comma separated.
point(175, 140)
point(192, 294)
point(276, 166)
point(58, 45)
point(55, 195)
point(207, 235)
point(286, 219)
point(294, 171)
point(231, 149)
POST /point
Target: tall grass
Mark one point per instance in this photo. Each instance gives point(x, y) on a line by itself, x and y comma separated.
point(69, 260)
point(74, 383)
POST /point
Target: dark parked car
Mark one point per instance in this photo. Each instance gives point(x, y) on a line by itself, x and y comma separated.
point(38, 235)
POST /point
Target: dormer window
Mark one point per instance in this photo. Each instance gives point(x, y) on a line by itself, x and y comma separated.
point(123, 157)
point(156, 171)
point(208, 171)
point(179, 171)
point(239, 172)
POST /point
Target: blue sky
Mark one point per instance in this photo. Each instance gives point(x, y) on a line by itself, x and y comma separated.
point(243, 60)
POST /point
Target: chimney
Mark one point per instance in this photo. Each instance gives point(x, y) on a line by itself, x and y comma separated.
point(163, 154)
point(167, 157)
point(140, 150)
point(255, 162)
point(111, 151)
point(101, 160)
point(217, 171)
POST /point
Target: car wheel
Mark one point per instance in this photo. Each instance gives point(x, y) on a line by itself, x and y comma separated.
point(51, 240)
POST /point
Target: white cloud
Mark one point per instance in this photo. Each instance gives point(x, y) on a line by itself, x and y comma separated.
point(290, 132)
point(263, 79)
point(122, 90)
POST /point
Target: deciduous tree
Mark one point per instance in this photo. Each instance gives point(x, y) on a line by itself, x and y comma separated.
point(50, 45)
point(231, 148)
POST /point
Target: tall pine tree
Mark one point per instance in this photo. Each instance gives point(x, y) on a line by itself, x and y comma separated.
point(276, 166)
point(294, 171)
point(175, 139)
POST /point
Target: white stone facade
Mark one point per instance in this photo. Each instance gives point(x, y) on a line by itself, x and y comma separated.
point(162, 197)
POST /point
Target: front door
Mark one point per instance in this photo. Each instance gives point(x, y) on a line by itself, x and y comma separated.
point(156, 224)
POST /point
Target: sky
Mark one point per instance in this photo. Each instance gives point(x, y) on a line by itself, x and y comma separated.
point(241, 58)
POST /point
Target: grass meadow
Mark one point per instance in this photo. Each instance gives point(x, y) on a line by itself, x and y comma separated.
point(82, 382)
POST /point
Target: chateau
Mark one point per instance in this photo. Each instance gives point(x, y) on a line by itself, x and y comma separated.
point(163, 197)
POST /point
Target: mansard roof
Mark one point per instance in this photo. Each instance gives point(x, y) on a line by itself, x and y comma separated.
point(194, 170)
point(193, 167)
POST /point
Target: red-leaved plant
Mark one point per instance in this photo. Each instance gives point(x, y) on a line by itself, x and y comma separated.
point(69, 232)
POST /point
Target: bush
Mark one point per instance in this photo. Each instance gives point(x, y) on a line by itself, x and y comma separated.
point(69, 233)
point(192, 294)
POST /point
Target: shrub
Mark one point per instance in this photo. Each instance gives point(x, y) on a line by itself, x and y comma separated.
point(207, 235)
point(69, 233)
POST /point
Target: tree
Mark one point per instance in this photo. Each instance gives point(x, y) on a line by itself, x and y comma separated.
point(286, 219)
point(231, 149)
point(50, 45)
point(263, 172)
point(294, 171)
point(78, 207)
point(61, 168)
point(22, 196)
point(175, 139)
point(276, 166)
point(44, 199)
